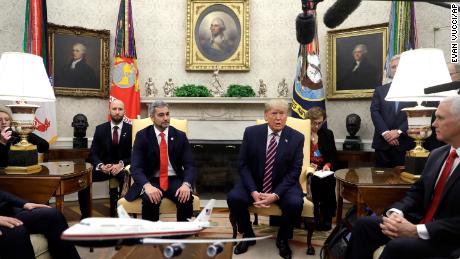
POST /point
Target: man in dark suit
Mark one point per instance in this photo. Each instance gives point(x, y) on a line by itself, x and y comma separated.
point(270, 162)
point(426, 222)
point(77, 73)
point(390, 125)
point(19, 219)
point(162, 166)
point(110, 153)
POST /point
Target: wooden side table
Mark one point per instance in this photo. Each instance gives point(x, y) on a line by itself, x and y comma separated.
point(376, 188)
point(56, 179)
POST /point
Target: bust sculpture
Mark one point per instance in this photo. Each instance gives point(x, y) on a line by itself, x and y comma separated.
point(80, 124)
point(352, 123)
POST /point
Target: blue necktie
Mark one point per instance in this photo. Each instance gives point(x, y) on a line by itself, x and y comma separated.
point(396, 106)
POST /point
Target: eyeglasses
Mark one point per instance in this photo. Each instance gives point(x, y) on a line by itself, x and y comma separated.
point(317, 123)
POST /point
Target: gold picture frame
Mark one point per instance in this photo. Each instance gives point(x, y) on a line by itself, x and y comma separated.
point(346, 78)
point(216, 48)
point(79, 61)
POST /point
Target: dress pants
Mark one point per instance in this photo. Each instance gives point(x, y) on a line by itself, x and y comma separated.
point(15, 242)
point(367, 236)
point(389, 158)
point(151, 211)
point(324, 199)
point(114, 193)
point(291, 205)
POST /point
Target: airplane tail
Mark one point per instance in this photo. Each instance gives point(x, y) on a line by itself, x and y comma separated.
point(205, 214)
point(122, 212)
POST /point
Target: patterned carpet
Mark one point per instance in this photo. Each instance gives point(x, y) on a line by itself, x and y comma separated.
point(221, 228)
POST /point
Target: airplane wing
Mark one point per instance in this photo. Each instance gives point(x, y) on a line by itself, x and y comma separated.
point(198, 241)
point(122, 212)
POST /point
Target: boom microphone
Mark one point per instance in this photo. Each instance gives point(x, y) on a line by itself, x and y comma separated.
point(339, 11)
point(305, 28)
point(454, 85)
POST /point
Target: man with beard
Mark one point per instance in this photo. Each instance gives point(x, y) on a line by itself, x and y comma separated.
point(110, 153)
point(162, 166)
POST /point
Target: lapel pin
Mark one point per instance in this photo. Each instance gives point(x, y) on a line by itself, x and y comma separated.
point(172, 138)
point(285, 140)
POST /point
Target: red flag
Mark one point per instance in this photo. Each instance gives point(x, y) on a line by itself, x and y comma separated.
point(125, 80)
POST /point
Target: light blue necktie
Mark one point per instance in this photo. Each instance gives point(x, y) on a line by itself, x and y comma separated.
point(396, 106)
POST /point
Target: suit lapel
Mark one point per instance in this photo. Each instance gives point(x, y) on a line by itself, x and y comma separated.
point(123, 134)
point(282, 145)
point(451, 180)
point(262, 148)
point(430, 180)
point(171, 141)
point(108, 139)
point(152, 140)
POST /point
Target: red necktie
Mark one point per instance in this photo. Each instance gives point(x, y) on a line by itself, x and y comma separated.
point(163, 163)
point(269, 162)
point(439, 188)
point(115, 136)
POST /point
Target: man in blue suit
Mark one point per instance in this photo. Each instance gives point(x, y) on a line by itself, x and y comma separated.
point(426, 222)
point(270, 162)
point(110, 153)
point(390, 139)
point(162, 166)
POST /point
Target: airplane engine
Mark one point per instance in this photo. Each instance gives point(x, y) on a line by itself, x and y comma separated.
point(173, 250)
point(215, 249)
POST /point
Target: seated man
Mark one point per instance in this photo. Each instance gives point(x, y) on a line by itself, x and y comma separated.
point(162, 166)
point(19, 219)
point(426, 222)
point(110, 153)
point(270, 162)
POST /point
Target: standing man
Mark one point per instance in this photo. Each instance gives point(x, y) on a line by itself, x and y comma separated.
point(390, 139)
point(162, 166)
point(270, 162)
point(426, 222)
point(110, 153)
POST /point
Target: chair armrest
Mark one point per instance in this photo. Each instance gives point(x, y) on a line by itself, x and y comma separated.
point(304, 180)
point(127, 181)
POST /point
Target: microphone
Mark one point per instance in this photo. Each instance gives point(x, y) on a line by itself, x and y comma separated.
point(454, 85)
point(339, 11)
point(305, 28)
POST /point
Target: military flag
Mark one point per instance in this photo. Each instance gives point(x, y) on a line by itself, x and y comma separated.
point(125, 79)
point(36, 42)
point(308, 87)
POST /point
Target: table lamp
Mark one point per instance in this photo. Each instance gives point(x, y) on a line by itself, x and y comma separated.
point(23, 79)
point(417, 70)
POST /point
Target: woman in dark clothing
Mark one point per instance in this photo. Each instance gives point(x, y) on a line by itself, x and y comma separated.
point(9, 137)
point(322, 157)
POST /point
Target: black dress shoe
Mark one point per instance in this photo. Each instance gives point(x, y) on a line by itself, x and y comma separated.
point(242, 247)
point(284, 249)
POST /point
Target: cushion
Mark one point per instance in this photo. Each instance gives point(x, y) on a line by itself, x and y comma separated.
point(40, 245)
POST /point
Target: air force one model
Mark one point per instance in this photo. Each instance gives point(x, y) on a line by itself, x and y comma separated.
point(97, 232)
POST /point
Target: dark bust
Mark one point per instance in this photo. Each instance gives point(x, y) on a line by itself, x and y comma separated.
point(353, 123)
point(80, 124)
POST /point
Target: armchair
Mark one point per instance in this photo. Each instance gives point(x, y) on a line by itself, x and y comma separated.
point(303, 126)
point(167, 206)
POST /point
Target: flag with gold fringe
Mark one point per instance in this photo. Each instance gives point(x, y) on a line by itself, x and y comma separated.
point(125, 79)
point(308, 90)
point(403, 31)
point(36, 42)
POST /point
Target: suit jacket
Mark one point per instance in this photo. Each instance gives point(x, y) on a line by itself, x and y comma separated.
point(82, 76)
point(102, 145)
point(326, 145)
point(446, 223)
point(8, 201)
point(385, 118)
point(365, 76)
point(146, 158)
point(288, 159)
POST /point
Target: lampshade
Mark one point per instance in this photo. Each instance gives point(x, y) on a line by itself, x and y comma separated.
point(417, 70)
point(23, 78)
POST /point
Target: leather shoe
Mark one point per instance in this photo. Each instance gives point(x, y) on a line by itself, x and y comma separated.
point(284, 249)
point(242, 247)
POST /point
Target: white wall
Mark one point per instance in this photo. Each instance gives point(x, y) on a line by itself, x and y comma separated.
point(160, 32)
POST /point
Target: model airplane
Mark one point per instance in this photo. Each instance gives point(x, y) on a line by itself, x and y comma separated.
point(124, 230)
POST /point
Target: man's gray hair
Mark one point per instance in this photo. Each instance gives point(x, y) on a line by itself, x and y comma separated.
point(156, 104)
point(274, 103)
point(219, 22)
point(362, 47)
point(81, 46)
point(454, 102)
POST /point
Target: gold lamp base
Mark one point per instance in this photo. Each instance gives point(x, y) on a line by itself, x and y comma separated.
point(32, 169)
point(23, 159)
point(408, 177)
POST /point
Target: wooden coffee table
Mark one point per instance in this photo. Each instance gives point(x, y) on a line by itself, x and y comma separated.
point(56, 179)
